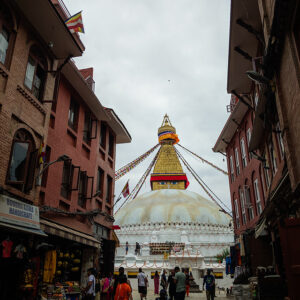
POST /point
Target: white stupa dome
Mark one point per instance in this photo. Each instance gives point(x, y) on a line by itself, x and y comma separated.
point(171, 206)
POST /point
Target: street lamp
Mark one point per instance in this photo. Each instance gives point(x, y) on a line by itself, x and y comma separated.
point(63, 158)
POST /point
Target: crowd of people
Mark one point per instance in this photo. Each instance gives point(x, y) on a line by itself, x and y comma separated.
point(175, 286)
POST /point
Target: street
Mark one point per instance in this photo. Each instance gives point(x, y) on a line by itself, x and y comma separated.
point(151, 296)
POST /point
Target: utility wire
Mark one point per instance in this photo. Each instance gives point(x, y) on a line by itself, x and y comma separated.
point(204, 160)
point(203, 184)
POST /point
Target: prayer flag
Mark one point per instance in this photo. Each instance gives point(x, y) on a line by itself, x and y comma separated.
point(75, 24)
point(42, 153)
point(125, 191)
point(116, 227)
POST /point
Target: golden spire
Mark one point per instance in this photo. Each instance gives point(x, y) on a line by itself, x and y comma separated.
point(168, 172)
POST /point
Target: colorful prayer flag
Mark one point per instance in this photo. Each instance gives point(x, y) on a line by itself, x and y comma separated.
point(125, 191)
point(75, 23)
point(42, 153)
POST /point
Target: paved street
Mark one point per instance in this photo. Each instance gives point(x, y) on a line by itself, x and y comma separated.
point(151, 296)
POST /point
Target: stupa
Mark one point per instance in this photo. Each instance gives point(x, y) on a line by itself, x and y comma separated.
point(173, 226)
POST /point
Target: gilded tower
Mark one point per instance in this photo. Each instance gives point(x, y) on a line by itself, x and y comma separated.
point(168, 173)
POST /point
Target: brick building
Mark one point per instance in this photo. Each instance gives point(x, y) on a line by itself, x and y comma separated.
point(55, 216)
point(79, 193)
point(263, 73)
point(30, 57)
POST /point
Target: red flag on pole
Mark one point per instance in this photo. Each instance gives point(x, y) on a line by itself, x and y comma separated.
point(125, 191)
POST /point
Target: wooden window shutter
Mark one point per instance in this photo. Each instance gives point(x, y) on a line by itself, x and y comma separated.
point(31, 170)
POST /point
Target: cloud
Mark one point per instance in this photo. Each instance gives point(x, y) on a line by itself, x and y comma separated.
point(156, 57)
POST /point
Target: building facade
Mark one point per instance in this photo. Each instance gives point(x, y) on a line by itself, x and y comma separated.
point(263, 74)
point(30, 57)
point(57, 151)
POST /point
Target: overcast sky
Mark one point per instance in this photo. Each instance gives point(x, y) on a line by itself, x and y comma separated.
point(152, 57)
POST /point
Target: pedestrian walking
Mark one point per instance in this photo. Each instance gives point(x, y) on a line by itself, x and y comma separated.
point(117, 280)
point(187, 283)
point(89, 290)
point(142, 284)
point(123, 291)
point(163, 281)
point(127, 247)
point(105, 288)
point(98, 286)
point(156, 283)
point(180, 284)
point(209, 282)
point(172, 285)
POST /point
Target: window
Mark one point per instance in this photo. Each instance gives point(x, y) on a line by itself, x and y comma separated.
point(237, 218)
point(73, 114)
point(244, 155)
point(103, 135)
point(248, 136)
point(242, 198)
point(67, 177)
point(87, 127)
point(256, 99)
point(257, 197)
point(231, 169)
point(35, 76)
point(109, 189)
point(272, 157)
point(4, 41)
point(280, 140)
point(100, 181)
point(237, 163)
point(7, 36)
point(47, 160)
point(82, 190)
point(248, 202)
point(23, 161)
point(111, 145)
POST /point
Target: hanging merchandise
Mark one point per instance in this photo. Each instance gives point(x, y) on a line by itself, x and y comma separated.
point(49, 266)
point(20, 250)
point(7, 247)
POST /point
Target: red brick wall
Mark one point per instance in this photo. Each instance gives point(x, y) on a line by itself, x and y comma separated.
point(88, 156)
point(19, 108)
point(247, 174)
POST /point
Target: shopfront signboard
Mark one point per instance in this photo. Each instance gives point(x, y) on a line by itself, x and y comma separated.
point(16, 212)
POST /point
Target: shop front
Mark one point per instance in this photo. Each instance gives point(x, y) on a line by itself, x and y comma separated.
point(69, 255)
point(20, 259)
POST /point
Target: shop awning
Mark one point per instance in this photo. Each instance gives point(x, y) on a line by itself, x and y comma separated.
point(68, 233)
point(115, 238)
point(24, 229)
point(260, 229)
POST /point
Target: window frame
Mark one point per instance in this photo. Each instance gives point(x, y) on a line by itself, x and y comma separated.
point(109, 192)
point(23, 136)
point(231, 168)
point(111, 147)
point(73, 124)
point(280, 140)
point(100, 182)
point(257, 197)
point(102, 140)
point(37, 64)
point(237, 162)
point(272, 155)
point(236, 211)
point(249, 205)
point(11, 40)
point(243, 210)
point(243, 153)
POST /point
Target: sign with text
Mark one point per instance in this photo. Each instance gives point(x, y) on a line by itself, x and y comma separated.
point(16, 212)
